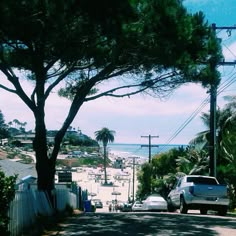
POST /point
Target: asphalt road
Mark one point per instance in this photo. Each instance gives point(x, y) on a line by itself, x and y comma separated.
point(146, 224)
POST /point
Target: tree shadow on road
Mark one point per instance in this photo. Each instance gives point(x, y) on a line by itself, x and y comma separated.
point(143, 224)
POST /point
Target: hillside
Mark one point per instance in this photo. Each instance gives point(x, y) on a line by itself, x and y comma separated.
point(3, 154)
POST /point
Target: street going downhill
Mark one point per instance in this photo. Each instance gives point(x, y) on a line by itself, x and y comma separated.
point(144, 224)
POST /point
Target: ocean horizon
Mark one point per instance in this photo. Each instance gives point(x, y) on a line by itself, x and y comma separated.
point(139, 150)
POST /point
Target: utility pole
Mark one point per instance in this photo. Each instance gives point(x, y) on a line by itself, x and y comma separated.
point(133, 164)
point(213, 101)
point(149, 145)
point(212, 141)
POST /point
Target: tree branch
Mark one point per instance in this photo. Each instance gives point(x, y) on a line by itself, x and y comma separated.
point(59, 79)
point(7, 89)
point(143, 86)
point(13, 79)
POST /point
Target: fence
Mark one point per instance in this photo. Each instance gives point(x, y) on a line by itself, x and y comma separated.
point(28, 204)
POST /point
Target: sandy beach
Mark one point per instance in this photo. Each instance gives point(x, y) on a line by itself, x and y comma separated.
point(92, 179)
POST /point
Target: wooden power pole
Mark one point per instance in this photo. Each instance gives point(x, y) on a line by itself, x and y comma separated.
point(213, 102)
point(134, 176)
point(149, 145)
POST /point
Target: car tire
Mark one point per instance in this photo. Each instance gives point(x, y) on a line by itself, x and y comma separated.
point(222, 211)
point(203, 211)
point(183, 207)
point(170, 206)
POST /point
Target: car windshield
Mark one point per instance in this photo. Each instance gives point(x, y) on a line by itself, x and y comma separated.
point(137, 203)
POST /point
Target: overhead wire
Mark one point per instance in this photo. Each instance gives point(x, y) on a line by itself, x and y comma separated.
point(229, 83)
point(224, 85)
point(189, 119)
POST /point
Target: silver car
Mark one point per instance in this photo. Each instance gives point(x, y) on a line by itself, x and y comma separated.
point(155, 203)
point(137, 206)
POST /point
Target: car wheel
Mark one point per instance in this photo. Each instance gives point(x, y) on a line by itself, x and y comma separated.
point(183, 207)
point(203, 211)
point(222, 211)
point(170, 206)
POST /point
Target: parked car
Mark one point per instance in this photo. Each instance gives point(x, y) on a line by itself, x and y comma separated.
point(137, 206)
point(126, 207)
point(155, 203)
point(200, 193)
point(97, 203)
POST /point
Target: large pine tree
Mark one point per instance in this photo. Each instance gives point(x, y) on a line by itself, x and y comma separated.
point(152, 46)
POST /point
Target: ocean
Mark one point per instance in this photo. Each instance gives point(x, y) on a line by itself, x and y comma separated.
point(139, 150)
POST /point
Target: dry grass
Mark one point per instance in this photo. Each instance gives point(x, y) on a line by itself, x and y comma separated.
point(3, 154)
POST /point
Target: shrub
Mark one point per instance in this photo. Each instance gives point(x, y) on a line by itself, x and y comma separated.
point(7, 193)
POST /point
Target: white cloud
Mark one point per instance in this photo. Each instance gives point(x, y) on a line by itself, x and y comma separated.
point(129, 117)
point(139, 115)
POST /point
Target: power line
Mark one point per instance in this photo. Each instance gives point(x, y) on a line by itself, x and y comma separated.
point(232, 80)
point(189, 119)
point(212, 94)
point(201, 106)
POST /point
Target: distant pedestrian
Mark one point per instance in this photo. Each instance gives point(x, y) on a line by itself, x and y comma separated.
point(110, 208)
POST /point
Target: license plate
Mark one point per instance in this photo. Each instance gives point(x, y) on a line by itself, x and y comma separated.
point(211, 198)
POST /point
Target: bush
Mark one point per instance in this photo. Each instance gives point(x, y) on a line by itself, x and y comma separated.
point(7, 193)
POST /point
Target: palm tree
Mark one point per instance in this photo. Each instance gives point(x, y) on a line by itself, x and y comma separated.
point(225, 124)
point(195, 162)
point(17, 123)
point(229, 129)
point(105, 136)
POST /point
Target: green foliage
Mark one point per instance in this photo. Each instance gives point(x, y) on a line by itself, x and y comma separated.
point(3, 128)
point(7, 193)
point(77, 162)
point(165, 163)
point(144, 177)
point(167, 166)
point(226, 149)
point(193, 162)
point(159, 175)
point(74, 139)
point(105, 136)
point(155, 45)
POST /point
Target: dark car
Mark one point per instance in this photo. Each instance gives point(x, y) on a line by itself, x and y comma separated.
point(98, 203)
point(126, 207)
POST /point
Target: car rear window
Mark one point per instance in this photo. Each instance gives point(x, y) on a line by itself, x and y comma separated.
point(156, 199)
point(202, 180)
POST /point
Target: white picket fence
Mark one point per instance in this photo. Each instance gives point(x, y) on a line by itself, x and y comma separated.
point(29, 204)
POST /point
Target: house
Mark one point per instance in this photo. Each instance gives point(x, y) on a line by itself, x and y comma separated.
point(26, 139)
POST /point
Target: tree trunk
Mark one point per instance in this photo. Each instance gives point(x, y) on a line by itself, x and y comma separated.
point(43, 163)
point(105, 163)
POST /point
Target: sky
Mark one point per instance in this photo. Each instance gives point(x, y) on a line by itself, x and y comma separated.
point(141, 115)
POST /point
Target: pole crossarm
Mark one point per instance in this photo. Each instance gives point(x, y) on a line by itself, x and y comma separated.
point(214, 27)
point(227, 63)
point(149, 144)
point(145, 145)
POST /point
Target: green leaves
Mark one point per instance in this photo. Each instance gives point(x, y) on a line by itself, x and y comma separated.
point(105, 135)
point(3, 127)
point(7, 193)
point(156, 44)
